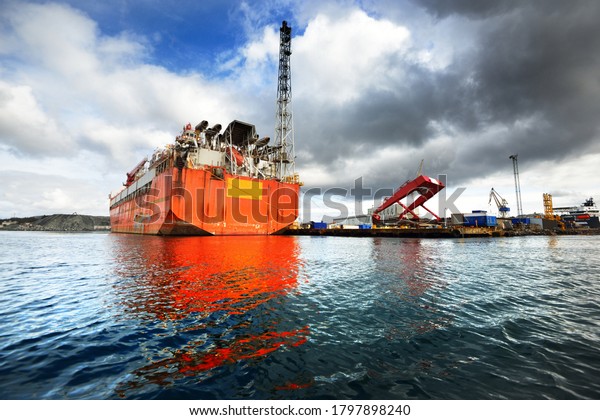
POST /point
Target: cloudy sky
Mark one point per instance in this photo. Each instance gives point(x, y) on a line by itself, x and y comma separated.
point(88, 88)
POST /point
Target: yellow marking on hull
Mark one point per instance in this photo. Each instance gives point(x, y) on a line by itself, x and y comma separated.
point(244, 188)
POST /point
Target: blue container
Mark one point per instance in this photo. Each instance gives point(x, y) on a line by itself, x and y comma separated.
point(473, 220)
point(318, 225)
point(364, 226)
point(481, 220)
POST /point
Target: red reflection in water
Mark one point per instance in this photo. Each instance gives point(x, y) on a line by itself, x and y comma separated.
point(245, 348)
point(234, 274)
point(291, 386)
point(178, 276)
point(219, 287)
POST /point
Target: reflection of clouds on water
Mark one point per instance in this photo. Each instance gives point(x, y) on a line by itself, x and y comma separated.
point(212, 301)
point(410, 277)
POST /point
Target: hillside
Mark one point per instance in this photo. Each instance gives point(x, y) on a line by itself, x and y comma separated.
point(58, 223)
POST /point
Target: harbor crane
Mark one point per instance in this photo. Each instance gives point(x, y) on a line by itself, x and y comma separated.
point(501, 203)
point(515, 161)
point(549, 211)
point(426, 188)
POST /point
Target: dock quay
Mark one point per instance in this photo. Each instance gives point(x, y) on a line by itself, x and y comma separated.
point(441, 232)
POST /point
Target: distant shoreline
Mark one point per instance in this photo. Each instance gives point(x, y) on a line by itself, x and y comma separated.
point(57, 223)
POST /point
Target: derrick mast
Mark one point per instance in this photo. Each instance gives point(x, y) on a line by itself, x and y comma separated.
point(517, 184)
point(285, 129)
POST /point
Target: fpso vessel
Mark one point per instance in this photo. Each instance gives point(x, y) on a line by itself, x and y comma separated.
point(210, 183)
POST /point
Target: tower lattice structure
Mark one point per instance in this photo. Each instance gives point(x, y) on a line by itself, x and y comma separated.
point(285, 126)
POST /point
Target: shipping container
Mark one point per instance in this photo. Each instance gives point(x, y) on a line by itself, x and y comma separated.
point(318, 225)
point(364, 226)
point(480, 220)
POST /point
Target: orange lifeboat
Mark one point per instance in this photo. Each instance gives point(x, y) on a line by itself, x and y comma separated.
point(233, 153)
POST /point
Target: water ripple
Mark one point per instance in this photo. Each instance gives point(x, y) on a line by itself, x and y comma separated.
point(122, 316)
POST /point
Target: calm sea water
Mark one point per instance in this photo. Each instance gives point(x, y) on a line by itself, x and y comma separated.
point(108, 316)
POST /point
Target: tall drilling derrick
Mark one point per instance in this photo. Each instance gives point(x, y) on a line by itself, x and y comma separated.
point(517, 184)
point(285, 128)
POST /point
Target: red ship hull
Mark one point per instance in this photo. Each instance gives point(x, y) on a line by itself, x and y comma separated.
point(196, 202)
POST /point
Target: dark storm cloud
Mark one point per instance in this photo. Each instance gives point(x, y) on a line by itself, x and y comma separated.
point(471, 8)
point(530, 85)
point(405, 115)
point(539, 63)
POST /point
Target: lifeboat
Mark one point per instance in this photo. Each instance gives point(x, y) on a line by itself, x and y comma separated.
point(235, 155)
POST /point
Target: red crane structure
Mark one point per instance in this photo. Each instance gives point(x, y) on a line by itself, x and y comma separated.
point(131, 175)
point(427, 187)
